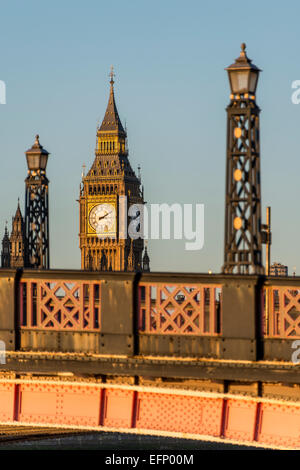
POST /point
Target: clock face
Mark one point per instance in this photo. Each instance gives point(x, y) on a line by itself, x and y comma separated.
point(102, 219)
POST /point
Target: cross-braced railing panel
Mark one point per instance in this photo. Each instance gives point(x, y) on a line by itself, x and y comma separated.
point(60, 305)
point(282, 311)
point(179, 309)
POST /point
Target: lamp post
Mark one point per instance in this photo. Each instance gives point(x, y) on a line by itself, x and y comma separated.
point(37, 208)
point(243, 251)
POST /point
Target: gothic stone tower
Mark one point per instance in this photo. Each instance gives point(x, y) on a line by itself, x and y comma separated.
point(5, 253)
point(111, 176)
point(17, 240)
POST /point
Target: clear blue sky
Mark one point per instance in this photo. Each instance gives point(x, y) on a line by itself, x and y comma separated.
point(172, 90)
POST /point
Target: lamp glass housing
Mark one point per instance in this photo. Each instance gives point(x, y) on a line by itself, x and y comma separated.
point(36, 161)
point(33, 161)
point(43, 162)
point(253, 81)
point(243, 80)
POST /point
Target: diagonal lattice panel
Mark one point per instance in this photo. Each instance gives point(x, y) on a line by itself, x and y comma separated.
point(179, 309)
point(284, 312)
point(63, 303)
point(60, 305)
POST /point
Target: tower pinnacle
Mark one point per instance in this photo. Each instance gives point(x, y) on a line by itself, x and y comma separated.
point(111, 137)
point(112, 74)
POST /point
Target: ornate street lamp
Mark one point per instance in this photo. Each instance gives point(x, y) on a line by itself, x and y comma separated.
point(243, 244)
point(37, 208)
point(243, 75)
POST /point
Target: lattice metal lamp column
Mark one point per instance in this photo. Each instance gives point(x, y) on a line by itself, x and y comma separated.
point(37, 208)
point(243, 245)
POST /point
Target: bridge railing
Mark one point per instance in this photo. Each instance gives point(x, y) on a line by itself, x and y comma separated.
point(180, 309)
point(281, 316)
point(283, 312)
point(63, 305)
point(163, 314)
point(198, 315)
point(72, 311)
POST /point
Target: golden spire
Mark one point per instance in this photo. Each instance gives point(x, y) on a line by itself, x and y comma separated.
point(111, 122)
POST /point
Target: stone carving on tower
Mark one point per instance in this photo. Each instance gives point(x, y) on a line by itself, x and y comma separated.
point(102, 192)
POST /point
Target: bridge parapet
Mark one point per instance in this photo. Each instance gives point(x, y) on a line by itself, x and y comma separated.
point(160, 314)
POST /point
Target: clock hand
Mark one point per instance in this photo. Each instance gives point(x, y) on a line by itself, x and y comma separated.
point(103, 216)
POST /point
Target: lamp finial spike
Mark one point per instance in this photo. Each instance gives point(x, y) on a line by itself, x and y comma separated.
point(243, 49)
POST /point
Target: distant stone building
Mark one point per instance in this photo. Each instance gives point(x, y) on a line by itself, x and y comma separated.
point(278, 269)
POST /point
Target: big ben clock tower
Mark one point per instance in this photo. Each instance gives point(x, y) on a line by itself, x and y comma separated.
point(109, 182)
